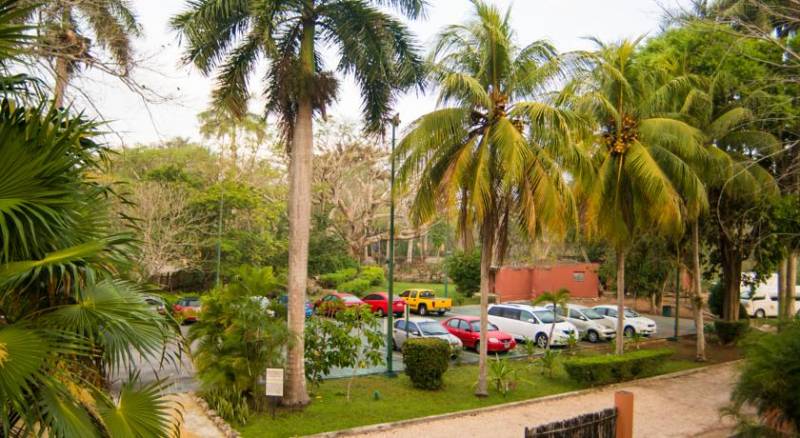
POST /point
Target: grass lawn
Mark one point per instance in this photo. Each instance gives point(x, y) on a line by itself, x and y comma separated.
point(437, 288)
point(378, 399)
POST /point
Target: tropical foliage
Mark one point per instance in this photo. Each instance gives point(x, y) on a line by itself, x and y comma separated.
point(69, 322)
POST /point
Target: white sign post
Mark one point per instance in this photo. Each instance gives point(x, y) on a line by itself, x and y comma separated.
point(274, 386)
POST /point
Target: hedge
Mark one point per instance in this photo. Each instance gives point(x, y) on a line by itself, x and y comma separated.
point(609, 368)
point(334, 279)
point(426, 360)
point(373, 274)
point(356, 286)
point(731, 331)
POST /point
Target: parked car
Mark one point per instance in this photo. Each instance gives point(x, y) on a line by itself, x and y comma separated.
point(594, 326)
point(284, 301)
point(468, 330)
point(424, 301)
point(634, 323)
point(527, 322)
point(156, 304)
point(423, 328)
point(379, 303)
point(332, 303)
point(187, 309)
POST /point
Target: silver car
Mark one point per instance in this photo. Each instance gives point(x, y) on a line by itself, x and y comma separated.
point(594, 326)
point(423, 328)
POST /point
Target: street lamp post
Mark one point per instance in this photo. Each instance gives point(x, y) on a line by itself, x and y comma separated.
point(390, 304)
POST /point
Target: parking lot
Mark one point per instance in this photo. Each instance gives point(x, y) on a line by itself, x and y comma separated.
point(181, 371)
point(665, 330)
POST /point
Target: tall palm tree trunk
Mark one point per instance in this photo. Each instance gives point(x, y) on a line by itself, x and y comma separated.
point(62, 79)
point(487, 247)
point(300, 169)
point(700, 354)
point(620, 300)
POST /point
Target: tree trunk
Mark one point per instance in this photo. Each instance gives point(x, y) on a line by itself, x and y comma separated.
point(731, 280)
point(300, 171)
point(465, 226)
point(62, 79)
point(697, 302)
point(620, 301)
point(487, 247)
point(783, 272)
point(791, 286)
point(410, 251)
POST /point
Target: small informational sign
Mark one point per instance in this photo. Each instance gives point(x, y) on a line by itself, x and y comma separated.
point(274, 382)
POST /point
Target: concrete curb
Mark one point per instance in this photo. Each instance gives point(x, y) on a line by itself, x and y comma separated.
point(411, 421)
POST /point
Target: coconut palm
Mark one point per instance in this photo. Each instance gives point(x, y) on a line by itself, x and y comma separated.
point(72, 31)
point(559, 300)
point(497, 147)
point(643, 157)
point(231, 36)
point(726, 126)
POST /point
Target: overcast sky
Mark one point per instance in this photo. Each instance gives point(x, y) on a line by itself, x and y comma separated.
point(563, 22)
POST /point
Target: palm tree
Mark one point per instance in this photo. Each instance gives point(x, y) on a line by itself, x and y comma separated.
point(558, 300)
point(495, 149)
point(231, 36)
point(221, 124)
point(642, 156)
point(70, 28)
point(725, 126)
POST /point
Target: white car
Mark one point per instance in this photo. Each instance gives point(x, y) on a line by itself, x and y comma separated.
point(594, 326)
point(423, 328)
point(528, 322)
point(634, 323)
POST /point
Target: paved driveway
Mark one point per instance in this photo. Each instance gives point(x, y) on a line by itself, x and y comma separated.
point(682, 406)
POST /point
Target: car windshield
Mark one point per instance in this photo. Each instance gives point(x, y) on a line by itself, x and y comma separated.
point(350, 299)
point(426, 294)
point(432, 328)
point(476, 327)
point(546, 316)
point(631, 314)
point(592, 314)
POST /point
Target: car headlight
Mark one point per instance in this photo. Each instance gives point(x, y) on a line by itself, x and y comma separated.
point(495, 340)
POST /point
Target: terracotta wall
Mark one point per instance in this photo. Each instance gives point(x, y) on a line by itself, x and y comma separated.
point(514, 284)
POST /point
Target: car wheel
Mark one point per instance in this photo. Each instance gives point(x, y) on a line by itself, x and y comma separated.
point(423, 310)
point(441, 312)
point(394, 345)
point(593, 336)
point(629, 331)
point(477, 346)
point(541, 340)
point(381, 313)
point(760, 313)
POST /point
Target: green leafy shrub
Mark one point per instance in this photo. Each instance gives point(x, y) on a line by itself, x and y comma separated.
point(548, 361)
point(356, 286)
point(465, 270)
point(609, 368)
point(768, 382)
point(334, 279)
point(426, 360)
point(715, 301)
point(731, 331)
point(373, 274)
point(502, 375)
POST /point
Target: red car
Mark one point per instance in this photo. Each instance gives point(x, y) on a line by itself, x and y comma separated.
point(334, 302)
point(468, 329)
point(379, 302)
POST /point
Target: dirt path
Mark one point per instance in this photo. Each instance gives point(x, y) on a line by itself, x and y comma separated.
point(196, 423)
point(674, 407)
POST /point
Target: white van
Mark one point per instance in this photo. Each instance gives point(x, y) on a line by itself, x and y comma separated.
point(761, 300)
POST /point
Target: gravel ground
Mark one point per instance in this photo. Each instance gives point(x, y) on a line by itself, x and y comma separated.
point(683, 406)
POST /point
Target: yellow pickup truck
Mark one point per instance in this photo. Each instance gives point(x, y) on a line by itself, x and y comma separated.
point(424, 301)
